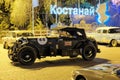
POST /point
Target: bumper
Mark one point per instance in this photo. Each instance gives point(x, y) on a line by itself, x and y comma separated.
point(7, 46)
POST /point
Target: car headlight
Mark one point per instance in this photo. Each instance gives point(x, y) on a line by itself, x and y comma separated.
point(22, 40)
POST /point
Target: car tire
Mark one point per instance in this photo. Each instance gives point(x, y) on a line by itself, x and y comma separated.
point(89, 52)
point(26, 55)
point(113, 43)
point(80, 78)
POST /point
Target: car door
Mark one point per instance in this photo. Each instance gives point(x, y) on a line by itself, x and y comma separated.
point(97, 35)
point(104, 36)
point(70, 41)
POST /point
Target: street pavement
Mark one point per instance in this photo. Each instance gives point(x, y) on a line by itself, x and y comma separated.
point(53, 68)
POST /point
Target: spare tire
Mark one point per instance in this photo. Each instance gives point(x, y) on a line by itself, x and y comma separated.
point(42, 41)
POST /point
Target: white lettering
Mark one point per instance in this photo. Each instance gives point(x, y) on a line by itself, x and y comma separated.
point(86, 12)
point(92, 11)
point(81, 11)
point(52, 9)
point(75, 11)
point(70, 10)
point(65, 10)
point(59, 10)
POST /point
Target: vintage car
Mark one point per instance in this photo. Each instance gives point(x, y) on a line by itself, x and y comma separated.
point(65, 42)
point(98, 72)
point(11, 36)
point(109, 35)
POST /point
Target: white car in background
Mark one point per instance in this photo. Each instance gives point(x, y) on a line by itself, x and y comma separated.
point(12, 36)
point(109, 35)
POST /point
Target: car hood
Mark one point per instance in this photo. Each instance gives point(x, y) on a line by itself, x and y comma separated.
point(101, 68)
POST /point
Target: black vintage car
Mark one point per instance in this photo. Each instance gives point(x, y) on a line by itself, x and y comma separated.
point(61, 42)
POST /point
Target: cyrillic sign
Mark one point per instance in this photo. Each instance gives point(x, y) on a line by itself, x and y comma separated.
point(65, 10)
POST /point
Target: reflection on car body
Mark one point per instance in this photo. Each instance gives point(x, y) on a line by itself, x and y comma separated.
point(98, 72)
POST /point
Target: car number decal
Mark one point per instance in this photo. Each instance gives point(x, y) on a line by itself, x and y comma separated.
point(68, 43)
point(42, 41)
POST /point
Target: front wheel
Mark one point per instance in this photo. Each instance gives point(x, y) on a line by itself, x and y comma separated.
point(80, 78)
point(26, 55)
point(89, 52)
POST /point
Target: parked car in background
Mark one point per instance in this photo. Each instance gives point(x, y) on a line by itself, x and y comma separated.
point(109, 35)
point(12, 36)
point(98, 72)
point(68, 41)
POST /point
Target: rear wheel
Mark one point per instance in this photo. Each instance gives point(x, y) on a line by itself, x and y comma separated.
point(26, 55)
point(113, 43)
point(89, 52)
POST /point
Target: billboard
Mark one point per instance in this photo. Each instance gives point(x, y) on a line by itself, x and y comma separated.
point(107, 13)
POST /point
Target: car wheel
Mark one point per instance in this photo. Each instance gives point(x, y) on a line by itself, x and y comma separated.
point(26, 55)
point(80, 78)
point(89, 52)
point(113, 43)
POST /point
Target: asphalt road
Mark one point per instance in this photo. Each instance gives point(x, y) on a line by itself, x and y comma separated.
point(53, 68)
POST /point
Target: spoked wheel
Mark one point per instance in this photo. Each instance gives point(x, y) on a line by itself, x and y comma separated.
point(26, 55)
point(113, 43)
point(89, 52)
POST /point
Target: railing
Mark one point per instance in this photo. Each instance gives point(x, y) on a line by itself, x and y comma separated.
point(41, 32)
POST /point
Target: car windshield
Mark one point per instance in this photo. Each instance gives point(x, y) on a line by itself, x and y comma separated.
point(115, 30)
